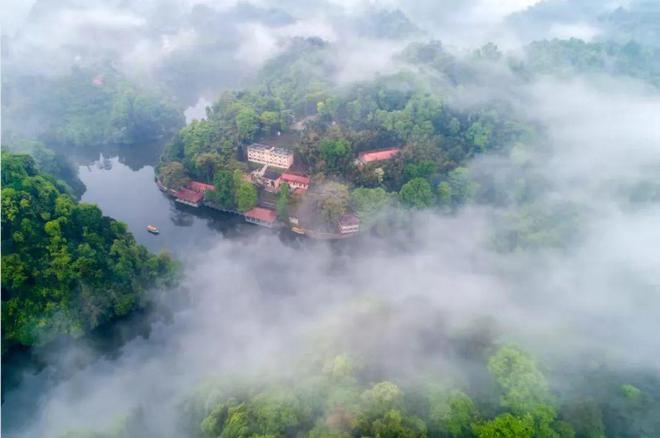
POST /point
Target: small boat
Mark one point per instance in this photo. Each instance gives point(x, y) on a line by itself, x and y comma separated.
point(153, 229)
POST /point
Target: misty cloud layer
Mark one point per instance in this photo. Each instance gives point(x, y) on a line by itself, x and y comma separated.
point(202, 47)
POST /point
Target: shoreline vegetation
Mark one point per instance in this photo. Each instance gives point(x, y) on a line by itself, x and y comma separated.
point(66, 268)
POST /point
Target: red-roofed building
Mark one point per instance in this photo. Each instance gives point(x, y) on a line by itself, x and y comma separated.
point(201, 187)
point(193, 193)
point(377, 155)
point(189, 197)
point(261, 216)
point(295, 180)
point(348, 224)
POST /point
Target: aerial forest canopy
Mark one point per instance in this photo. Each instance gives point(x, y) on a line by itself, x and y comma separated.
point(342, 397)
point(327, 125)
point(422, 109)
point(66, 268)
point(336, 401)
point(47, 161)
point(568, 57)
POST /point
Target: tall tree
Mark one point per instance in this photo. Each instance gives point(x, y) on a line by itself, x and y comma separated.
point(333, 203)
point(416, 193)
point(246, 196)
point(506, 426)
point(173, 175)
point(282, 205)
point(206, 164)
point(457, 189)
point(370, 204)
point(335, 154)
point(224, 194)
point(247, 124)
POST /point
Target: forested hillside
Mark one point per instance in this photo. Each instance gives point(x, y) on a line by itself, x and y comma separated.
point(47, 161)
point(86, 108)
point(574, 56)
point(66, 268)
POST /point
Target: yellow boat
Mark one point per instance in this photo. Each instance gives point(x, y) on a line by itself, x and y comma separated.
point(153, 229)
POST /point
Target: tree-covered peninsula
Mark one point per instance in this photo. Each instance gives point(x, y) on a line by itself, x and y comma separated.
point(66, 268)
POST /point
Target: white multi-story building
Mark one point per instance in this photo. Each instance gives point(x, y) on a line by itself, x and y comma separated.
point(270, 155)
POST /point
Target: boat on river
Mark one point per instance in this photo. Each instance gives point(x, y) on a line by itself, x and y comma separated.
point(153, 229)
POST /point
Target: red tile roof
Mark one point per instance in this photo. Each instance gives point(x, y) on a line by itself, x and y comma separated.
point(189, 195)
point(379, 155)
point(197, 186)
point(296, 178)
point(262, 214)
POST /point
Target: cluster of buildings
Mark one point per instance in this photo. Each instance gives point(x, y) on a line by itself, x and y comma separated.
point(274, 160)
point(271, 180)
point(275, 171)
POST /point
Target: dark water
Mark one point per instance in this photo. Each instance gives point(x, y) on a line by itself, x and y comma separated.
point(132, 197)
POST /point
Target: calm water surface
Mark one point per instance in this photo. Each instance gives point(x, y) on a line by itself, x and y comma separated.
point(132, 197)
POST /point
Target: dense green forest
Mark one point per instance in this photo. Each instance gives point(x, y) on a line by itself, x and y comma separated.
point(47, 161)
point(327, 125)
point(66, 268)
point(574, 56)
point(339, 401)
point(335, 123)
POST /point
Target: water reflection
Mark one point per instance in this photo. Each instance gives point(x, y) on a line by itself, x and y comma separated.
point(181, 218)
point(135, 156)
point(132, 197)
